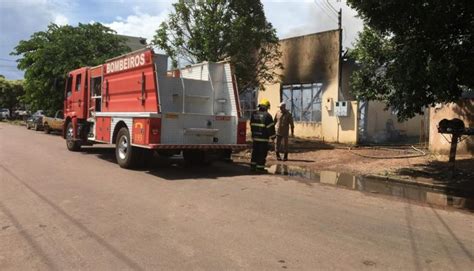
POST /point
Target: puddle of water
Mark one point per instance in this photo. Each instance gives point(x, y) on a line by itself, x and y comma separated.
point(412, 192)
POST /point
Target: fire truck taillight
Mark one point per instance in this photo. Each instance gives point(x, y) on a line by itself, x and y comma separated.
point(241, 132)
point(155, 131)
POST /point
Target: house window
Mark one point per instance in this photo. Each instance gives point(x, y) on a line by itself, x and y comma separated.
point(303, 101)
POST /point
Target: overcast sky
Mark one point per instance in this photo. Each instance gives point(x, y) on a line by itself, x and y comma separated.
point(21, 18)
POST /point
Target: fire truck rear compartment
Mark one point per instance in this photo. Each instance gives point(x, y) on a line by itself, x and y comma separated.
point(198, 105)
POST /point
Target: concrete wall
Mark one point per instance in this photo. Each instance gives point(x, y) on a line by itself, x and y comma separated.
point(463, 110)
point(377, 118)
point(311, 58)
point(272, 94)
point(348, 126)
point(308, 129)
point(348, 67)
point(314, 59)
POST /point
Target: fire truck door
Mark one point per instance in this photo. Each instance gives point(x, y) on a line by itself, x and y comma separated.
point(68, 95)
point(77, 100)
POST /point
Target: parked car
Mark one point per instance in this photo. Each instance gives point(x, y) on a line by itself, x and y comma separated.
point(35, 121)
point(53, 123)
point(4, 113)
point(20, 114)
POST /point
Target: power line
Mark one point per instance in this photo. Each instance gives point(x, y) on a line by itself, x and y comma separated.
point(331, 7)
point(9, 69)
point(325, 11)
point(6, 59)
point(7, 65)
point(325, 6)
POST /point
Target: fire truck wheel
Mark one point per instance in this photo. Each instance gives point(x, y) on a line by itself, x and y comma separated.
point(127, 156)
point(72, 145)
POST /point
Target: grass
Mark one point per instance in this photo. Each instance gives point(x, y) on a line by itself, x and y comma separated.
point(15, 122)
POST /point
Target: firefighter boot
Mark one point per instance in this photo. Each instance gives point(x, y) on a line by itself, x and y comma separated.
point(278, 156)
point(285, 157)
point(253, 167)
point(261, 169)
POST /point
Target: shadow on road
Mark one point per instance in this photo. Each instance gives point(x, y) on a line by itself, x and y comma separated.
point(178, 170)
point(174, 168)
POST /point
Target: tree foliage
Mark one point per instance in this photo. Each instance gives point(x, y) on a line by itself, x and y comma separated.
point(414, 53)
point(11, 92)
point(48, 55)
point(216, 30)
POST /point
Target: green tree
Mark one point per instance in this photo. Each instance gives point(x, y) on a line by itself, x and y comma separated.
point(414, 53)
point(216, 30)
point(11, 92)
point(48, 55)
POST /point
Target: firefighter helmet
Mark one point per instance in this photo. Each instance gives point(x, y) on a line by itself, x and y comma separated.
point(264, 102)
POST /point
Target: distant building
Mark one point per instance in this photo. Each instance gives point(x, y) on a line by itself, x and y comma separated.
point(134, 43)
point(322, 109)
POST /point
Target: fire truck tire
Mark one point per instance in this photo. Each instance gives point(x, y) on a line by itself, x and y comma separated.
point(72, 145)
point(127, 156)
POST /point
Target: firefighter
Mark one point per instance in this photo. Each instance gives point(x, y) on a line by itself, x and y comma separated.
point(263, 131)
point(283, 122)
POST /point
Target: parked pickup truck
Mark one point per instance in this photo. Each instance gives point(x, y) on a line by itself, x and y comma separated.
point(53, 123)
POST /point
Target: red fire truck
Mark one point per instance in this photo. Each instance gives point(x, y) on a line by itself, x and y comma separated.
point(134, 102)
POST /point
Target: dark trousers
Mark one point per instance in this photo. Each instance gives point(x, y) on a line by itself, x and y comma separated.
point(259, 155)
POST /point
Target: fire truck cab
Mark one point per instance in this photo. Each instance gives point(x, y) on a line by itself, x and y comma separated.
point(134, 102)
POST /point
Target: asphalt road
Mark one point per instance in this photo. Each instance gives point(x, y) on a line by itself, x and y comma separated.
point(61, 210)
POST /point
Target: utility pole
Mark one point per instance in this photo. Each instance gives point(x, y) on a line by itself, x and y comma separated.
point(339, 22)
